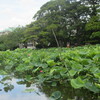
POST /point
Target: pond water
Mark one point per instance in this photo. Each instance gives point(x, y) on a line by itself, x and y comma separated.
point(19, 93)
point(17, 89)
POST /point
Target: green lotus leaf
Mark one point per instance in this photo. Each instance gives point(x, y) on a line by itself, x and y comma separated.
point(77, 83)
point(56, 95)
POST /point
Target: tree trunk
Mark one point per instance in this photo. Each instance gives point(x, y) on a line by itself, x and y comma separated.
point(55, 37)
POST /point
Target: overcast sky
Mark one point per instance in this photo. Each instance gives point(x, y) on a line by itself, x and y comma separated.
point(18, 12)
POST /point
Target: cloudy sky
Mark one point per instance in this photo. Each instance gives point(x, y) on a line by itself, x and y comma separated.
point(18, 92)
point(18, 12)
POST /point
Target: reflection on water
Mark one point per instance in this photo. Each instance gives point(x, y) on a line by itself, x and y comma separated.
point(21, 97)
point(68, 93)
point(14, 89)
point(18, 92)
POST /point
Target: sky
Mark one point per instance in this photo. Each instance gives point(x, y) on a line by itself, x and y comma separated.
point(18, 92)
point(18, 12)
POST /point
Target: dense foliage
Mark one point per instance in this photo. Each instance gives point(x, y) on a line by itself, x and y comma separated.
point(12, 39)
point(57, 23)
point(78, 66)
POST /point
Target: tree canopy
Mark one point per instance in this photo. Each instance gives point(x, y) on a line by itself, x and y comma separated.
point(59, 22)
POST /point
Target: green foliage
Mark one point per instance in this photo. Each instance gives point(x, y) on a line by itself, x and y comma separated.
point(77, 83)
point(61, 21)
point(29, 90)
point(93, 27)
point(55, 95)
point(12, 39)
point(57, 23)
point(94, 23)
point(2, 72)
point(78, 66)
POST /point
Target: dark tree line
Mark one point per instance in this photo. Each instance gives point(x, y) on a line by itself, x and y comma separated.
point(59, 22)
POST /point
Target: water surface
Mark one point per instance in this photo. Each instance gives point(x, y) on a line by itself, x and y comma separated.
point(14, 89)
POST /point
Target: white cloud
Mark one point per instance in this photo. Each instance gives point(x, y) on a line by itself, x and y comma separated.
point(6, 10)
point(18, 94)
point(23, 97)
point(27, 2)
point(18, 12)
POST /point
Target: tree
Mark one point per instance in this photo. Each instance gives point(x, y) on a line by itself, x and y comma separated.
point(93, 26)
point(93, 6)
point(69, 17)
point(12, 39)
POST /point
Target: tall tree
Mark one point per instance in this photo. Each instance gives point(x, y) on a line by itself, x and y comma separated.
point(12, 39)
point(69, 17)
point(93, 24)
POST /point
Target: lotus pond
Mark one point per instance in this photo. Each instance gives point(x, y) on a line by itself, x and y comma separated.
point(50, 74)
